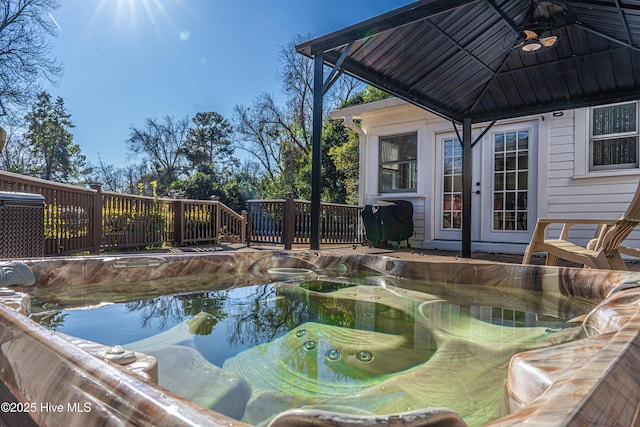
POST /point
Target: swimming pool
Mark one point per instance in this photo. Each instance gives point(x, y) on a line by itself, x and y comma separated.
point(377, 307)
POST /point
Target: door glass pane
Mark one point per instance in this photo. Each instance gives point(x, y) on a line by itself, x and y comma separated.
point(499, 162)
point(523, 178)
point(457, 184)
point(511, 141)
point(452, 185)
point(510, 181)
point(447, 183)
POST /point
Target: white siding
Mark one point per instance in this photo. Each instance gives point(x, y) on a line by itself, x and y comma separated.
point(565, 186)
point(573, 191)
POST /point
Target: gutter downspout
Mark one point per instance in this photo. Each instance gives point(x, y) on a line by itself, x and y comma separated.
point(348, 121)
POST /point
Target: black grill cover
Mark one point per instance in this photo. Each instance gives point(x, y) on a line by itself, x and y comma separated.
point(388, 220)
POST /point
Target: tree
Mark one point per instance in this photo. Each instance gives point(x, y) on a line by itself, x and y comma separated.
point(16, 156)
point(343, 145)
point(208, 144)
point(25, 51)
point(198, 186)
point(258, 126)
point(369, 94)
point(111, 178)
point(51, 142)
point(234, 189)
point(346, 158)
point(162, 144)
point(279, 137)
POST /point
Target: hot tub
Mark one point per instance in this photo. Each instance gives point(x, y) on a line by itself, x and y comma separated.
point(584, 374)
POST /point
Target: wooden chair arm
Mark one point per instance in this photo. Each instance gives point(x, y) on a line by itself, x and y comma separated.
point(574, 221)
point(567, 223)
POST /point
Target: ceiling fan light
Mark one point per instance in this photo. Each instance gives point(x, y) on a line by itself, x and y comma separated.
point(531, 45)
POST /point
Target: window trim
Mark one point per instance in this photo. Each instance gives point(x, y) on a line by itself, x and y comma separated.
point(399, 162)
point(582, 145)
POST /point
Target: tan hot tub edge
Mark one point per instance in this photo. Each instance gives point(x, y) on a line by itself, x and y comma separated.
point(52, 380)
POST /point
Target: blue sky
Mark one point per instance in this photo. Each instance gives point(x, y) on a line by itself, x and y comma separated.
point(128, 60)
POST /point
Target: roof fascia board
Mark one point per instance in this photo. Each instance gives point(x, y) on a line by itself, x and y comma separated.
point(387, 21)
point(369, 107)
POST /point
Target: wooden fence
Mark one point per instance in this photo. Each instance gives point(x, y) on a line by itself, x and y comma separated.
point(78, 219)
point(288, 222)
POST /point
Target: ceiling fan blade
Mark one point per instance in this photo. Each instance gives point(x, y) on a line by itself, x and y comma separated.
point(548, 41)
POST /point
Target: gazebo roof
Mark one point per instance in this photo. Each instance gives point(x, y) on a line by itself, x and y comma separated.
point(465, 58)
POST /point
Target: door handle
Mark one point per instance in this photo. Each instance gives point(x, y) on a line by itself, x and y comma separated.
point(477, 191)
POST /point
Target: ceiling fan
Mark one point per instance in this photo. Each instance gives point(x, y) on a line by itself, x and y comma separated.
point(534, 39)
point(540, 31)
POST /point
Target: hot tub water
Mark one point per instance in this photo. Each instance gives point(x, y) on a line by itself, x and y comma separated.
point(369, 345)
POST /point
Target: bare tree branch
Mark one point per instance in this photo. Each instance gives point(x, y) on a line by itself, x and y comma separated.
point(25, 30)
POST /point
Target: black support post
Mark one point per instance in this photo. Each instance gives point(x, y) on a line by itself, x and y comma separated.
point(316, 152)
point(466, 187)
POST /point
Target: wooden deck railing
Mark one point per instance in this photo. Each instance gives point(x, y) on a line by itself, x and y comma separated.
point(78, 219)
point(87, 220)
point(288, 221)
point(204, 220)
point(68, 212)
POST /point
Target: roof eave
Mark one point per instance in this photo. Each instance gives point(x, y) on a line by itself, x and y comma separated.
point(401, 16)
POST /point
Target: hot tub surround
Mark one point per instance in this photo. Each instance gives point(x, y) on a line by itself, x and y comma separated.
point(594, 379)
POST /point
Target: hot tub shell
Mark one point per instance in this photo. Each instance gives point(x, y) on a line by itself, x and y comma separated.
point(53, 380)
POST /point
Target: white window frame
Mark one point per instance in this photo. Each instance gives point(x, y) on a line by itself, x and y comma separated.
point(594, 138)
point(381, 163)
point(582, 147)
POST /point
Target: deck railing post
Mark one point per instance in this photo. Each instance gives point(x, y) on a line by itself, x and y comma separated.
point(218, 221)
point(289, 221)
point(178, 221)
point(243, 227)
point(96, 219)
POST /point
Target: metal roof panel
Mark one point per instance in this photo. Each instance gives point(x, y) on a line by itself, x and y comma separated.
point(456, 57)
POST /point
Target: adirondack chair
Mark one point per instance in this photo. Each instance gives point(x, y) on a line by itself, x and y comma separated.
point(603, 251)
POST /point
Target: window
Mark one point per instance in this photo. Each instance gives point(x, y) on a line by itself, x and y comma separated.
point(398, 166)
point(451, 185)
point(613, 142)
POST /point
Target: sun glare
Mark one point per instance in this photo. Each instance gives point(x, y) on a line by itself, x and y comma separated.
point(131, 13)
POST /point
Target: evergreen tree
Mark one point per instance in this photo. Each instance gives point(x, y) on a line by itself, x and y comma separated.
point(51, 142)
point(208, 144)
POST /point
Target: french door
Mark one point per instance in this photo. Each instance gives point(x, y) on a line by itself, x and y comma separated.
point(503, 200)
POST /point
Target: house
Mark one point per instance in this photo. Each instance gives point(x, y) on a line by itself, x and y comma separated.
point(580, 163)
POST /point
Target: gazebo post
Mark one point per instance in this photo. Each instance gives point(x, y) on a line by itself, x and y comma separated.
point(466, 187)
point(316, 151)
